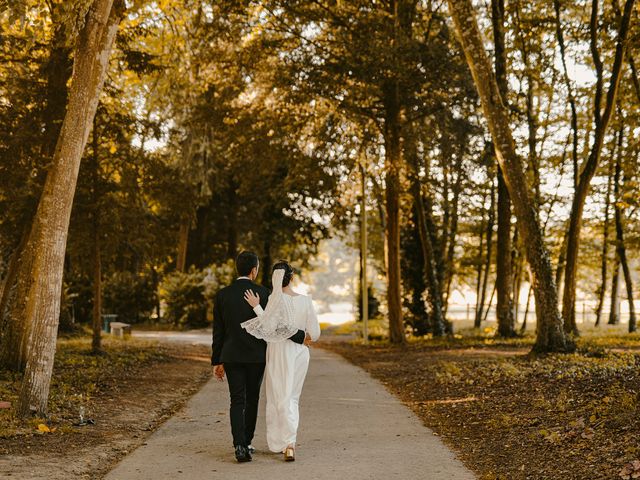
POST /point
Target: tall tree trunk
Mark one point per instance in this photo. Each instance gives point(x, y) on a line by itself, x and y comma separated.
point(183, 244)
point(449, 254)
point(434, 292)
point(96, 343)
point(392, 211)
point(605, 248)
point(550, 336)
point(51, 223)
point(621, 250)
point(393, 158)
point(480, 314)
point(504, 307)
point(232, 221)
point(601, 121)
point(614, 311)
point(393, 166)
point(571, 97)
point(267, 263)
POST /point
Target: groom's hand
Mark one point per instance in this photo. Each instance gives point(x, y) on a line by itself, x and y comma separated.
point(218, 372)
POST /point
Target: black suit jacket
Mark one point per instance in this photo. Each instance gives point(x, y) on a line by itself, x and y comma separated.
point(231, 342)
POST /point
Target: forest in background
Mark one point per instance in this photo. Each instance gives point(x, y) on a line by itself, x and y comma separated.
point(498, 143)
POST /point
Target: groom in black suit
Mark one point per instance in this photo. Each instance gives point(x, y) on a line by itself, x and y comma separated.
point(240, 355)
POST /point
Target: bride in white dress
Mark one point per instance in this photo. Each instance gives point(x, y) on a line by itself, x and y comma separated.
point(287, 362)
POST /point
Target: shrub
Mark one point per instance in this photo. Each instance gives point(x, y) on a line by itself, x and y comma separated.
point(131, 296)
point(183, 297)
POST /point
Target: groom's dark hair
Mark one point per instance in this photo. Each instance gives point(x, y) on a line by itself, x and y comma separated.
point(245, 262)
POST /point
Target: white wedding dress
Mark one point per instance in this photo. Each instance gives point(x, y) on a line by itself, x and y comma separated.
point(286, 368)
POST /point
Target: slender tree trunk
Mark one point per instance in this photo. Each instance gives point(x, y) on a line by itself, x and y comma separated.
point(96, 343)
point(451, 243)
point(621, 250)
point(571, 98)
point(634, 76)
point(51, 223)
point(550, 336)
point(605, 249)
point(478, 313)
point(601, 120)
point(183, 244)
point(393, 160)
point(487, 268)
point(434, 292)
point(504, 307)
point(267, 263)
point(614, 311)
point(232, 221)
point(523, 328)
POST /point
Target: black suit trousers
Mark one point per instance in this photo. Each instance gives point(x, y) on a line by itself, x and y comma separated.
point(244, 381)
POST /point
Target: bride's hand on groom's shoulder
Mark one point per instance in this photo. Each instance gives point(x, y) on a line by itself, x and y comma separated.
point(252, 298)
point(307, 339)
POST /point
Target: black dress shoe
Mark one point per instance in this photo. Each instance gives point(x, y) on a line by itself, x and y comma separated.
point(242, 454)
point(251, 449)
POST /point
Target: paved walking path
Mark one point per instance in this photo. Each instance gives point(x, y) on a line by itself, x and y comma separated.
point(350, 428)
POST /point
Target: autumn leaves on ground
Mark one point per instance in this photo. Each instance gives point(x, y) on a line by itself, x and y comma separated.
point(511, 416)
point(123, 394)
point(507, 415)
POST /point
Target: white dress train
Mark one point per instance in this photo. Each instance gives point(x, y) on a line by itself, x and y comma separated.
point(287, 364)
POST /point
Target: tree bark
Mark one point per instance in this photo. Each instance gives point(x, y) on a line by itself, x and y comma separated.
point(232, 220)
point(570, 95)
point(449, 254)
point(96, 342)
point(480, 315)
point(601, 121)
point(614, 310)
point(183, 244)
point(504, 305)
point(393, 166)
point(267, 263)
point(550, 336)
point(51, 223)
point(605, 249)
point(620, 246)
point(477, 312)
point(434, 291)
point(393, 158)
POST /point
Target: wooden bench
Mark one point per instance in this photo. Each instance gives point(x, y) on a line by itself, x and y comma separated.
point(120, 329)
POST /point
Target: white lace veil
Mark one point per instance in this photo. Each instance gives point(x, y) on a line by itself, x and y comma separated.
point(276, 323)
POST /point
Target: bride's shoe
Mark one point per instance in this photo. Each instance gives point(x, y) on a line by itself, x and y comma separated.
point(289, 454)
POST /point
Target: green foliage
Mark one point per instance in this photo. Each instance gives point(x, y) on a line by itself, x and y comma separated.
point(183, 297)
point(131, 296)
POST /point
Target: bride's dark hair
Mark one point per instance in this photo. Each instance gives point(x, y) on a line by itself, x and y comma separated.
point(288, 271)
